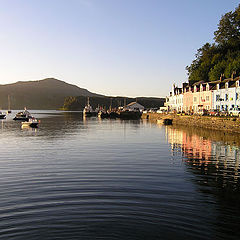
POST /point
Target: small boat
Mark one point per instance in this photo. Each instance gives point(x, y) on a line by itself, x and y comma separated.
point(2, 115)
point(103, 114)
point(32, 122)
point(88, 111)
point(23, 116)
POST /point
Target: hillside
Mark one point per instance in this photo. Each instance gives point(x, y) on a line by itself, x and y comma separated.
point(43, 94)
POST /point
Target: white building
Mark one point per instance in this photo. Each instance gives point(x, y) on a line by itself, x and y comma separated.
point(134, 106)
point(174, 102)
point(226, 95)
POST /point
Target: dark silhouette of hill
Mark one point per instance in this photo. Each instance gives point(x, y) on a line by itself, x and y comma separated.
point(43, 94)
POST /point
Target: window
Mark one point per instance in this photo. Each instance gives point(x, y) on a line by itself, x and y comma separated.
point(217, 86)
point(226, 85)
point(207, 87)
point(237, 96)
point(226, 97)
point(207, 98)
point(195, 99)
point(237, 83)
point(218, 97)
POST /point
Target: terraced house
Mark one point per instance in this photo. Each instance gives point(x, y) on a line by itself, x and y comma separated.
point(222, 95)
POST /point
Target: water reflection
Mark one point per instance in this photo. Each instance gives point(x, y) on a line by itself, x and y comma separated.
point(212, 158)
point(206, 149)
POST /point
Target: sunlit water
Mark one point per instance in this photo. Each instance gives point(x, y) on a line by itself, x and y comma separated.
point(75, 178)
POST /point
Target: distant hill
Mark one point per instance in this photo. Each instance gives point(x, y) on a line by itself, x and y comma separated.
point(42, 94)
point(78, 103)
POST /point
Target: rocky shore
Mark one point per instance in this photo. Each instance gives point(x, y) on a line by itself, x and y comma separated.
point(230, 124)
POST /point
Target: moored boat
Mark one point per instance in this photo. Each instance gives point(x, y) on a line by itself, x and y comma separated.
point(2, 115)
point(103, 114)
point(23, 116)
point(88, 111)
point(32, 122)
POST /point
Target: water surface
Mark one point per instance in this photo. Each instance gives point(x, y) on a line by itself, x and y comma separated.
point(75, 178)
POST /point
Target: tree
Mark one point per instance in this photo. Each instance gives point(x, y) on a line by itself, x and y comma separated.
point(212, 60)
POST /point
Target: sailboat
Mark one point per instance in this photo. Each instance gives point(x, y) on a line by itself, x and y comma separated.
point(9, 105)
point(88, 111)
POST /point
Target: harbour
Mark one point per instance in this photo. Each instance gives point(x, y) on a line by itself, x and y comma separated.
point(95, 177)
point(120, 120)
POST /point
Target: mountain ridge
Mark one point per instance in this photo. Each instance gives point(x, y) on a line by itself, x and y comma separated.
point(52, 94)
point(48, 93)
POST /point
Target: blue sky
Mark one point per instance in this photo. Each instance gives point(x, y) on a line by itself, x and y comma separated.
point(112, 47)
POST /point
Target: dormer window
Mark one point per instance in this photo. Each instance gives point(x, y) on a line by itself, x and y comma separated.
point(201, 88)
point(207, 87)
point(218, 86)
point(226, 85)
point(195, 88)
point(237, 83)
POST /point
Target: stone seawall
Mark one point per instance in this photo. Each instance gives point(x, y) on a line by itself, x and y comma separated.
point(230, 124)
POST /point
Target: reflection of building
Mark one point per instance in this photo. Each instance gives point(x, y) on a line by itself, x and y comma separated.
point(219, 157)
point(191, 145)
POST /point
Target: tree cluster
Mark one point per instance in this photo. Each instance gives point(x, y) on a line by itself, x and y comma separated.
point(221, 58)
point(79, 102)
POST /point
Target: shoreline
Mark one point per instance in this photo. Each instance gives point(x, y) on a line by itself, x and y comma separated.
point(228, 124)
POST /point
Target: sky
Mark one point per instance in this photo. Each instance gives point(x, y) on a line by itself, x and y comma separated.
point(113, 47)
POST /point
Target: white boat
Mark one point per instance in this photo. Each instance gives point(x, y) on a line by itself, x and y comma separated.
point(32, 122)
point(24, 115)
point(88, 111)
point(2, 115)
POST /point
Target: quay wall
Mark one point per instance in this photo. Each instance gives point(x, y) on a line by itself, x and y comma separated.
point(230, 124)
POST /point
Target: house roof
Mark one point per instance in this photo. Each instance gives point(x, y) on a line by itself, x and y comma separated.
point(132, 103)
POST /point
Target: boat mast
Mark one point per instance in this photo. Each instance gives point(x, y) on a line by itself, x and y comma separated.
point(9, 105)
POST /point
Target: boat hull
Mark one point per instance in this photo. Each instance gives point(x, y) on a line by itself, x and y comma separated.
point(90, 114)
point(21, 118)
point(30, 124)
point(130, 115)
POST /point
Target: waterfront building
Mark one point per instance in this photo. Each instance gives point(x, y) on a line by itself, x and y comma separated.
point(222, 94)
point(226, 94)
point(134, 106)
point(202, 96)
point(174, 102)
point(188, 99)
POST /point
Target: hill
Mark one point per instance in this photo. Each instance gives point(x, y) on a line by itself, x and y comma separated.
point(42, 94)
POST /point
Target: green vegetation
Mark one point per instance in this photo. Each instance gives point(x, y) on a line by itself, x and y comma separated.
point(222, 58)
point(78, 103)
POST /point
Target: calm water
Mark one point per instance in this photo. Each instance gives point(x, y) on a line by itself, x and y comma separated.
point(90, 179)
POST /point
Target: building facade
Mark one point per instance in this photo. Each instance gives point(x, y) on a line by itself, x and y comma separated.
point(193, 98)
